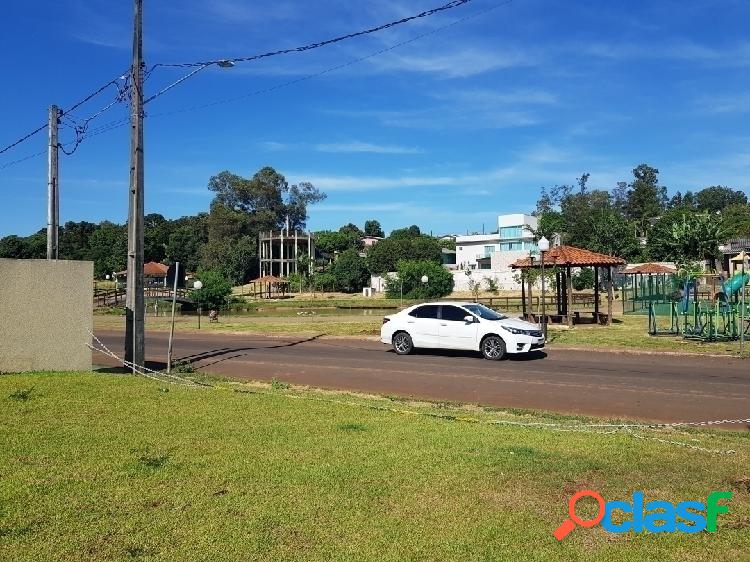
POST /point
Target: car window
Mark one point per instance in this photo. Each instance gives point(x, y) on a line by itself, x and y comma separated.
point(484, 312)
point(426, 311)
point(454, 314)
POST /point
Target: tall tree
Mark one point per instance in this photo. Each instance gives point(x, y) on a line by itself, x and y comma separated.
point(646, 198)
point(717, 197)
point(373, 228)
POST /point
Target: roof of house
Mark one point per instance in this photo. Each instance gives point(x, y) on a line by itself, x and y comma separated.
point(647, 269)
point(150, 269)
point(569, 256)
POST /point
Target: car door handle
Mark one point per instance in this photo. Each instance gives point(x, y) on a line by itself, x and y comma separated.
point(410, 321)
point(442, 324)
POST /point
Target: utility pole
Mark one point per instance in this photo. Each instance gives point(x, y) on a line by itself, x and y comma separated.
point(134, 302)
point(53, 185)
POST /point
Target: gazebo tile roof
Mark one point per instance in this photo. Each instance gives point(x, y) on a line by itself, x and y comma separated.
point(572, 256)
point(648, 268)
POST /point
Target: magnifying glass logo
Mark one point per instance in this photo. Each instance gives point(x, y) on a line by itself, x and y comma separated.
point(569, 524)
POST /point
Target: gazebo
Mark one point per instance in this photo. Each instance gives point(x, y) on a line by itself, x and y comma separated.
point(649, 272)
point(264, 287)
point(564, 258)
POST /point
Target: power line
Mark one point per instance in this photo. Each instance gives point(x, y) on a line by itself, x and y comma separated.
point(322, 72)
point(75, 106)
point(318, 44)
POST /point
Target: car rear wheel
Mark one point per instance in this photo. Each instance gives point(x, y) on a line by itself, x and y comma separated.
point(493, 348)
point(402, 343)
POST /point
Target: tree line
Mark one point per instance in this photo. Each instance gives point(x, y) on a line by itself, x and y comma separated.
point(639, 222)
point(223, 242)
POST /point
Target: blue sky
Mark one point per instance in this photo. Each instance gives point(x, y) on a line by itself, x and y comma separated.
point(446, 132)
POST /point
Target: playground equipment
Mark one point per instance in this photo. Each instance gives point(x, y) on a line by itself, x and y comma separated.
point(712, 319)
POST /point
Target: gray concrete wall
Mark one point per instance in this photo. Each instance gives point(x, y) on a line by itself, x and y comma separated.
point(46, 313)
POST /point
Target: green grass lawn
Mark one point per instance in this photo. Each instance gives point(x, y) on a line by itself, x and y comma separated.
point(631, 332)
point(111, 467)
point(627, 333)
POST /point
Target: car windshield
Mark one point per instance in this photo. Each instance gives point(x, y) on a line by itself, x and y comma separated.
point(484, 312)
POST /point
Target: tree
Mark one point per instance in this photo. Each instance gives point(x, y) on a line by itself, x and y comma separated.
point(717, 197)
point(157, 230)
point(409, 232)
point(184, 246)
point(682, 235)
point(74, 240)
point(373, 228)
point(384, 256)
point(736, 220)
point(646, 198)
point(584, 279)
point(350, 272)
point(329, 242)
point(351, 229)
point(109, 248)
point(410, 272)
point(14, 247)
point(215, 291)
point(611, 234)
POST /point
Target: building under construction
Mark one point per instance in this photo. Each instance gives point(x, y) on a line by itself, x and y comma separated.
point(280, 252)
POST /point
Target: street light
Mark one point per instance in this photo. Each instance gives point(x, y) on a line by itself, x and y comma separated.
point(198, 286)
point(543, 247)
point(424, 280)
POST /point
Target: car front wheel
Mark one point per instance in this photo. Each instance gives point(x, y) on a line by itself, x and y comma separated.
point(493, 348)
point(402, 343)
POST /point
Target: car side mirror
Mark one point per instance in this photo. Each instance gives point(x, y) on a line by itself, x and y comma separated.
point(469, 319)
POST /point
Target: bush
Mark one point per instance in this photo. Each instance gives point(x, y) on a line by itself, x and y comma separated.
point(350, 272)
point(323, 281)
point(584, 279)
point(215, 291)
point(440, 281)
point(491, 283)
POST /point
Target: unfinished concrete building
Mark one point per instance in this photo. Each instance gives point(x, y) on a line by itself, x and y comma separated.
point(280, 252)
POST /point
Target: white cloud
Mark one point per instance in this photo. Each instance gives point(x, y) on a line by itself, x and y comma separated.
point(737, 103)
point(359, 146)
point(457, 64)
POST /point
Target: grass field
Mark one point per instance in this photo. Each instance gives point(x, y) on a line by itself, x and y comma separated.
point(110, 467)
point(627, 333)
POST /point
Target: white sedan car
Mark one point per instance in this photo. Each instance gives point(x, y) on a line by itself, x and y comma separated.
point(459, 325)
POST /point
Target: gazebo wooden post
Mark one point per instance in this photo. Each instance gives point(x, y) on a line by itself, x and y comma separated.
point(569, 284)
point(523, 294)
point(531, 301)
point(610, 296)
point(596, 293)
point(558, 291)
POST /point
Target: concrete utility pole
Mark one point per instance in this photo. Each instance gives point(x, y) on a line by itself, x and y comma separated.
point(53, 185)
point(134, 302)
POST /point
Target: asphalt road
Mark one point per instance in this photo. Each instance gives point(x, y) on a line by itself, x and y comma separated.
point(663, 388)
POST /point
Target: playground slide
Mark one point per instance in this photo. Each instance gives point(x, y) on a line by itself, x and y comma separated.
point(736, 283)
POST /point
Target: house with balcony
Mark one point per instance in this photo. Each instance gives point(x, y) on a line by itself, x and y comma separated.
point(490, 255)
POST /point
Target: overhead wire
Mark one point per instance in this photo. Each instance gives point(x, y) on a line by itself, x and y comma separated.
point(63, 112)
point(82, 131)
point(330, 69)
point(318, 44)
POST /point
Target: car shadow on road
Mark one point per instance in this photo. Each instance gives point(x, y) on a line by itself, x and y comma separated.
point(227, 353)
point(530, 356)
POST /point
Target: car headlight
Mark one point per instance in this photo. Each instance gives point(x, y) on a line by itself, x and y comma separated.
point(517, 331)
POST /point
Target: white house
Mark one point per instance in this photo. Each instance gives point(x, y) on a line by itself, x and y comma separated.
point(490, 255)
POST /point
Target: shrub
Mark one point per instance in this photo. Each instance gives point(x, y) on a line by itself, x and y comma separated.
point(215, 291)
point(350, 272)
point(584, 279)
point(440, 281)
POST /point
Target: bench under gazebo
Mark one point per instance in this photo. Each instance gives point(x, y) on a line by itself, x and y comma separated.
point(564, 259)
